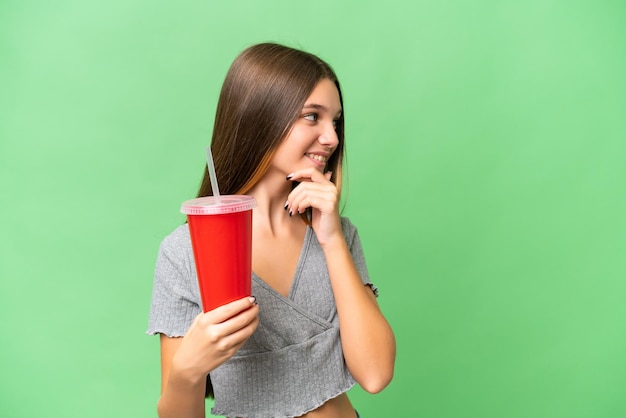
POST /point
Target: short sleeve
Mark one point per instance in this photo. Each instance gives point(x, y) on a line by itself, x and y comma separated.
point(175, 296)
point(356, 249)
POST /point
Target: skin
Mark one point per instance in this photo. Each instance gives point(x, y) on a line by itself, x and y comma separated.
point(367, 339)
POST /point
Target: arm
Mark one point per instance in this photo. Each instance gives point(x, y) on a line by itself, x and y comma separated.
point(367, 338)
point(213, 338)
point(368, 342)
point(179, 397)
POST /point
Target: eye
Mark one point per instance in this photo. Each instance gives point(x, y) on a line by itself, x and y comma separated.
point(312, 117)
point(335, 123)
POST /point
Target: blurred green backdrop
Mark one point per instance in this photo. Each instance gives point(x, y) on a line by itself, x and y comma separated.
point(486, 148)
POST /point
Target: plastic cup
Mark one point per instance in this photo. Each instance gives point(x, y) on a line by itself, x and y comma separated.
point(221, 238)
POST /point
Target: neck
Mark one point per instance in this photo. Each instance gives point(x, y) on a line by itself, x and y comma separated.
point(271, 195)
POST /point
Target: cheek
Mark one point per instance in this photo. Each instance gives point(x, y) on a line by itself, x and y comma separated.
point(286, 152)
point(297, 141)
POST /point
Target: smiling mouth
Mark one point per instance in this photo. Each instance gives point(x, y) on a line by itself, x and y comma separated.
point(320, 158)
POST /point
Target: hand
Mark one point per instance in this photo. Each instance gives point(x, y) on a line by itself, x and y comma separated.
point(215, 336)
point(319, 193)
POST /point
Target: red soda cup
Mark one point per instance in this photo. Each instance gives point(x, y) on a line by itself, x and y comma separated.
point(221, 238)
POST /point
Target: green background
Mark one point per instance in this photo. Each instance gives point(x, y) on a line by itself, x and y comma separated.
point(486, 143)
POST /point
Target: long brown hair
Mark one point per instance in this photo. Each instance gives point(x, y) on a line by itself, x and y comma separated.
point(261, 98)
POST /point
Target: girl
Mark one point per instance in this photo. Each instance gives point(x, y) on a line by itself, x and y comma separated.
point(313, 327)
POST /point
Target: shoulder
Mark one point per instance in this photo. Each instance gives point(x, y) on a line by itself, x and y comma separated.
point(178, 241)
point(348, 228)
point(175, 263)
point(176, 247)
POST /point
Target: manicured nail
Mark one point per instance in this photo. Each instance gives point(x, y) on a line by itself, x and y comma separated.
point(286, 205)
point(290, 213)
point(289, 176)
point(252, 300)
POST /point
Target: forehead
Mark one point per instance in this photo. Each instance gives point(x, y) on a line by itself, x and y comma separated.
point(325, 94)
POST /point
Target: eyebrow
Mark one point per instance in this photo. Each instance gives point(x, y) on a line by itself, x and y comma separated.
point(320, 107)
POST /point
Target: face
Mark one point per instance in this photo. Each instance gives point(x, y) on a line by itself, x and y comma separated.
point(313, 137)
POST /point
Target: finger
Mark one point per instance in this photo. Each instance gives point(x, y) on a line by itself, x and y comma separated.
point(238, 338)
point(296, 201)
point(301, 202)
point(236, 330)
point(311, 195)
point(231, 344)
point(311, 187)
point(303, 189)
point(308, 174)
point(245, 323)
point(222, 313)
point(235, 323)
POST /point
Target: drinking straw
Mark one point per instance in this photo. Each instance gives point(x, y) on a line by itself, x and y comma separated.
point(212, 176)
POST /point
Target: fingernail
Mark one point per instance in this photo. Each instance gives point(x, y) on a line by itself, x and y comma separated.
point(252, 300)
point(289, 176)
point(290, 214)
point(286, 205)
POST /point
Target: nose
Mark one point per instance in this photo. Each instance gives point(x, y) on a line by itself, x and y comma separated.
point(329, 138)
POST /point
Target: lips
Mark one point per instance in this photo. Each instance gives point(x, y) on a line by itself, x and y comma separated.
point(317, 157)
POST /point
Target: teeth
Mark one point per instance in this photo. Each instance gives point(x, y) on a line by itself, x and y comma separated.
point(319, 158)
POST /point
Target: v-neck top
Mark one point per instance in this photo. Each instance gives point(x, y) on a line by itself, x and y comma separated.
point(293, 362)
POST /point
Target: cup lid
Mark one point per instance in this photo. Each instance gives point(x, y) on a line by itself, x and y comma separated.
point(208, 205)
